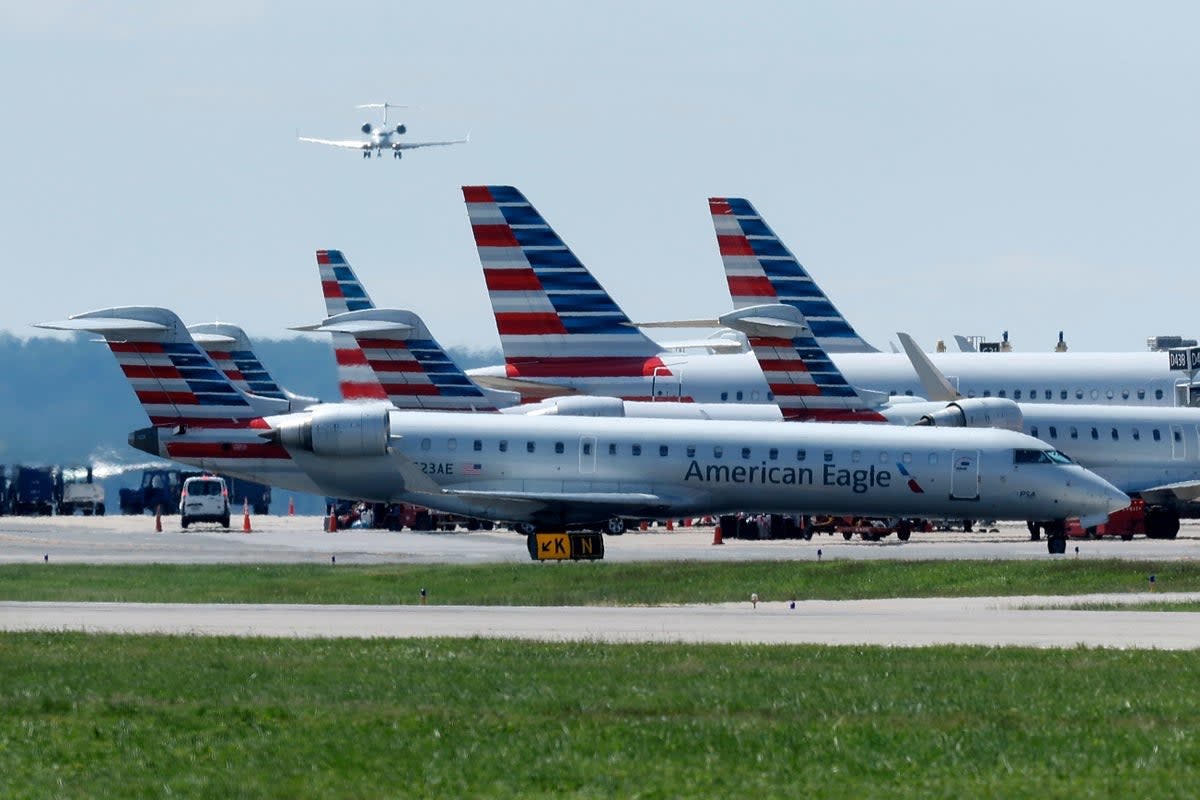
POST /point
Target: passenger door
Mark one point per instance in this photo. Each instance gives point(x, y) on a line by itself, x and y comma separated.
point(664, 385)
point(964, 475)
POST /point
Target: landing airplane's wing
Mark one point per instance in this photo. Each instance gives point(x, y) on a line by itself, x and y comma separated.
point(414, 145)
point(349, 144)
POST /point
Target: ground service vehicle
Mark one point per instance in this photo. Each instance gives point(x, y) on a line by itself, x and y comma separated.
point(204, 498)
point(30, 490)
point(76, 490)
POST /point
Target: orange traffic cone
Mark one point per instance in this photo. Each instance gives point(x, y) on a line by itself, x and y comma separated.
point(291, 506)
point(332, 526)
point(158, 519)
point(245, 515)
point(717, 535)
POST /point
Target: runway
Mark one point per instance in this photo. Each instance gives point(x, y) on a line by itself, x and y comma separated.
point(992, 621)
point(132, 540)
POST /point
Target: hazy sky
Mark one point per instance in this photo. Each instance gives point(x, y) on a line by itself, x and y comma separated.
point(940, 167)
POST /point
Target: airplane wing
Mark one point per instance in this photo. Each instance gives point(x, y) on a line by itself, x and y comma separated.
point(349, 144)
point(415, 145)
point(1182, 492)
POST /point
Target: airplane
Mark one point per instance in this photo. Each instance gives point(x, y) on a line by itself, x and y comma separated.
point(562, 332)
point(381, 138)
point(548, 472)
point(230, 349)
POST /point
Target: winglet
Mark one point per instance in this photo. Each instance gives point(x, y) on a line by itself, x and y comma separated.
point(933, 382)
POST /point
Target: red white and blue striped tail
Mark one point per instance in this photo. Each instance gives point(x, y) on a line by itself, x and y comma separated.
point(413, 369)
point(175, 380)
point(803, 381)
point(760, 269)
point(343, 293)
point(231, 350)
point(554, 318)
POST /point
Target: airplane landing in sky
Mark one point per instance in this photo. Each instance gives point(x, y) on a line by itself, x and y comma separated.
point(381, 138)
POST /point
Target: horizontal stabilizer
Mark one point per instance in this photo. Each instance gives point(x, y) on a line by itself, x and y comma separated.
point(677, 323)
point(106, 326)
point(773, 320)
point(204, 339)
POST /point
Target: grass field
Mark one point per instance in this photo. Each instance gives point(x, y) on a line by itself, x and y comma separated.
point(606, 583)
point(112, 716)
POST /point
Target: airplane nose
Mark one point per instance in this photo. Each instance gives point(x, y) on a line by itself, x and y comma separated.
point(1116, 498)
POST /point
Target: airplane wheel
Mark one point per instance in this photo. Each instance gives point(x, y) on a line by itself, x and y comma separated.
point(527, 528)
point(903, 531)
point(847, 535)
point(615, 526)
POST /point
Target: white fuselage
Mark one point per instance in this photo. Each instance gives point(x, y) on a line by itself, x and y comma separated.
point(565, 470)
point(1092, 378)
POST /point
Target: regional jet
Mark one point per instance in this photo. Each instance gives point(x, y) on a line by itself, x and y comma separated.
point(381, 138)
point(548, 472)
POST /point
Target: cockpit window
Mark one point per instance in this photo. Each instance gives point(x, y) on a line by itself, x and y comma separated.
point(1040, 457)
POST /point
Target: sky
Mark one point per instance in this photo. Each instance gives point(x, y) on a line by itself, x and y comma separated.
point(939, 167)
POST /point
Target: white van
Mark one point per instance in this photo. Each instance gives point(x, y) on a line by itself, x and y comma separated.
point(204, 499)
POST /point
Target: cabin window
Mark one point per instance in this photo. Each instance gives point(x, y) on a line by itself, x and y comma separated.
point(1141, 394)
point(1053, 432)
point(1062, 395)
point(1114, 434)
point(1033, 431)
point(1016, 394)
point(587, 448)
point(691, 451)
point(745, 452)
point(828, 456)
point(754, 394)
point(987, 392)
point(738, 395)
point(452, 444)
point(1095, 433)
point(1158, 394)
point(724, 396)
point(1000, 393)
point(906, 458)
point(801, 455)
point(1074, 432)
point(559, 447)
point(908, 392)
point(1137, 435)
point(855, 456)
point(635, 449)
point(773, 454)
point(892, 393)
point(425, 444)
point(612, 449)
point(1049, 395)
point(971, 393)
point(477, 446)
point(530, 447)
point(1124, 394)
point(883, 457)
point(1079, 394)
point(718, 451)
point(933, 459)
point(663, 450)
point(1095, 394)
point(1157, 435)
point(1109, 394)
point(503, 446)
point(1177, 436)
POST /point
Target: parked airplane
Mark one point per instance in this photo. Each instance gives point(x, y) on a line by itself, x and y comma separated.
point(561, 332)
point(230, 349)
point(381, 138)
point(549, 471)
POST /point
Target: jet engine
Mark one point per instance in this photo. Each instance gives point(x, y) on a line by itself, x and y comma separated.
point(980, 412)
point(401, 129)
point(367, 128)
point(340, 431)
point(580, 406)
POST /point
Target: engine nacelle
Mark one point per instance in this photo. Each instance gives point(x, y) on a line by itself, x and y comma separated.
point(581, 406)
point(340, 430)
point(401, 129)
point(979, 412)
point(367, 128)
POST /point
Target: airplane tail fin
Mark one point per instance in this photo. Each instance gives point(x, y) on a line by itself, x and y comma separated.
point(553, 316)
point(176, 382)
point(760, 269)
point(230, 349)
point(413, 369)
point(344, 293)
point(803, 380)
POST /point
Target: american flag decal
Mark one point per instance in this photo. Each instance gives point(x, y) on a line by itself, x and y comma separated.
point(470, 469)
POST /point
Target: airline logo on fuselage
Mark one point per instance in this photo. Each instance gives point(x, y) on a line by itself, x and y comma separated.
point(858, 481)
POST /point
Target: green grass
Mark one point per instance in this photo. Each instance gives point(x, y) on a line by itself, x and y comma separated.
point(605, 583)
point(110, 716)
point(1161, 605)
